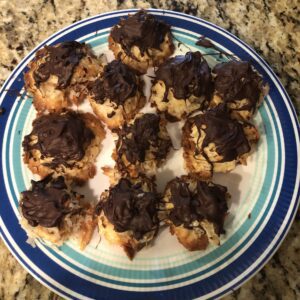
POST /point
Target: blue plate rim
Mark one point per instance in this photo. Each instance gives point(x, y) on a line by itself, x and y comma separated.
point(291, 110)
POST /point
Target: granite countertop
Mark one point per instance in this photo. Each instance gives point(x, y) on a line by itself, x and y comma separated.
point(272, 27)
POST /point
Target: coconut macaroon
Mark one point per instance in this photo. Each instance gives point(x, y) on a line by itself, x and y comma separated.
point(59, 74)
point(142, 145)
point(213, 142)
point(52, 211)
point(141, 41)
point(117, 95)
point(65, 143)
point(195, 211)
point(127, 214)
point(239, 86)
point(183, 84)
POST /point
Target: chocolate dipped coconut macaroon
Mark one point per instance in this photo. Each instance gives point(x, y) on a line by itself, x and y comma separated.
point(117, 95)
point(142, 145)
point(52, 211)
point(127, 214)
point(59, 74)
point(240, 87)
point(65, 143)
point(141, 41)
point(183, 84)
point(214, 142)
point(195, 211)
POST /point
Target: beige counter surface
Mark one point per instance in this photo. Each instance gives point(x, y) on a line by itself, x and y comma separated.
point(271, 27)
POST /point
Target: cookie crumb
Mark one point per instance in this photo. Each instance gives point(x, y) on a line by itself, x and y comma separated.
point(2, 111)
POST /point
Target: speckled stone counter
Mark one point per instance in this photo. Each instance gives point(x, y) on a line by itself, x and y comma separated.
point(271, 27)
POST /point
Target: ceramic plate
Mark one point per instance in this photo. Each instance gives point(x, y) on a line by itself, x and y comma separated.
point(264, 199)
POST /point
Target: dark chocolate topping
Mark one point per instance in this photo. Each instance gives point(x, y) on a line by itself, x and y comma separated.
point(128, 207)
point(207, 202)
point(236, 80)
point(45, 203)
point(204, 42)
point(118, 83)
point(142, 30)
point(227, 134)
point(187, 75)
point(63, 137)
point(60, 61)
point(134, 140)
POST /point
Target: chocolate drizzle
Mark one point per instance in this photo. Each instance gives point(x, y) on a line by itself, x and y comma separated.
point(187, 75)
point(63, 137)
point(208, 202)
point(118, 83)
point(205, 43)
point(225, 133)
point(142, 30)
point(45, 203)
point(236, 80)
point(129, 207)
point(60, 60)
point(136, 139)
